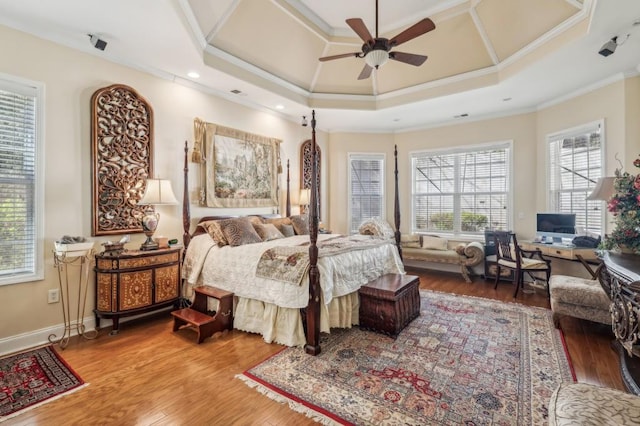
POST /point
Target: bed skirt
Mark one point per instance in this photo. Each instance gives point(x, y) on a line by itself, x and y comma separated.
point(284, 325)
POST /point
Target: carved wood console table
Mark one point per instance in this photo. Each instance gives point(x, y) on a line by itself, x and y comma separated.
point(621, 280)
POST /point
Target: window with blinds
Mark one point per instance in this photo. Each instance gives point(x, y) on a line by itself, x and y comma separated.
point(576, 162)
point(461, 192)
point(20, 256)
point(366, 188)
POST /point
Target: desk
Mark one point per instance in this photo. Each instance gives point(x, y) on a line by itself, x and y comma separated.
point(586, 256)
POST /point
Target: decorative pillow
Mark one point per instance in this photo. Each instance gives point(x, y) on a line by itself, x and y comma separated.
point(256, 220)
point(287, 230)
point(300, 224)
point(376, 227)
point(268, 231)
point(239, 231)
point(434, 243)
point(278, 222)
point(213, 229)
point(410, 241)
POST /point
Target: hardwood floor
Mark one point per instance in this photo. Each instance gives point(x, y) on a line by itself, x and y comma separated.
point(148, 375)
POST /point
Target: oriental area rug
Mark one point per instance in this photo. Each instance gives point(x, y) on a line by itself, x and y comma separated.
point(463, 361)
point(32, 378)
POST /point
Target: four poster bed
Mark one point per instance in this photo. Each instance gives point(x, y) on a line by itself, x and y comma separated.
point(288, 289)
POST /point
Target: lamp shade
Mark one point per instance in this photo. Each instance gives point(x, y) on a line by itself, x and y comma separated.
point(603, 190)
point(158, 192)
point(376, 58)
point(305, 194)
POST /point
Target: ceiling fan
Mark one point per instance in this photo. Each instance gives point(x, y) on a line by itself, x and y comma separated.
point(377, 51)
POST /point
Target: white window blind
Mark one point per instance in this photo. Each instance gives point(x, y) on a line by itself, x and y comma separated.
point(20, 257)
point(575, 165)
point(461, 191)
point(366, 188)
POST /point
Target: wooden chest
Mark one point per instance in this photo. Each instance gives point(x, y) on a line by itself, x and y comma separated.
point(389, 303)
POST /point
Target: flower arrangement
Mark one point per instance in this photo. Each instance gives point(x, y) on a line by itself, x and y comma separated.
point(625, 206)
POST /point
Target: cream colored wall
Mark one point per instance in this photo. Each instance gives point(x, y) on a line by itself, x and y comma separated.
point(340, 145)
point(606, 103)
point(70, 78)
point(632, 118)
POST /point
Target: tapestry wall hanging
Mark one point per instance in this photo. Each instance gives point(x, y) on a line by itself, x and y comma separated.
point(122, 158)
point(239, 168)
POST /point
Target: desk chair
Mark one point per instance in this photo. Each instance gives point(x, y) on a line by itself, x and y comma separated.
point(510, 256)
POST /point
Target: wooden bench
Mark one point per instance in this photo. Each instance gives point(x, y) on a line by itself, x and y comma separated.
point(197, 317)
point(389, 303)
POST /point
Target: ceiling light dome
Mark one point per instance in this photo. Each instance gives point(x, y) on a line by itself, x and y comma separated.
point(376, 58)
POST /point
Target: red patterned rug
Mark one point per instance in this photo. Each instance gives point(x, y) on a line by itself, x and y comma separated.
point(464, 361)
point(32, 378)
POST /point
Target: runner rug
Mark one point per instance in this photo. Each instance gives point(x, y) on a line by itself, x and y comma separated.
point(464, 361)
point(32, 378)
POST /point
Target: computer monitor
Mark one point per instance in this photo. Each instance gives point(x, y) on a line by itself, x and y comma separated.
point(556, 226)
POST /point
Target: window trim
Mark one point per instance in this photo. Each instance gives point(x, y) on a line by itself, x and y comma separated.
point(507, 144)
point(36, 89)
point(366, 156)
point(572, 132)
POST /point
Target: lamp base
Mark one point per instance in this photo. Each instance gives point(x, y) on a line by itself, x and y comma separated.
point(149, 245)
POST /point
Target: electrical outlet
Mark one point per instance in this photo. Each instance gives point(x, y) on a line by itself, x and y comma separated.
point(53, 296)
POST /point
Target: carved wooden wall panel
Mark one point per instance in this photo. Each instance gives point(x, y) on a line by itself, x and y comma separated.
point(122, 153)
point(305, 168)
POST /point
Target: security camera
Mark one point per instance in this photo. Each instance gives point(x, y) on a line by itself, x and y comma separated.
point(609, 47)
point(97, 42)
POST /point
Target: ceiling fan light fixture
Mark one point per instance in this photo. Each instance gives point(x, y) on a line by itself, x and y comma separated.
point(376, 58)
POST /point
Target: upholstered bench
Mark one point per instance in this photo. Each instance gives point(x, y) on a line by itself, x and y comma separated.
point(579, 298)
point(585, 404)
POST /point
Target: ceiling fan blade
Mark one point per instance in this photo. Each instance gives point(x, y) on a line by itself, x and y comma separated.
point(342, 55)
point(408, 58)
point(365, 73)
point(413, 31)
point(360, 28)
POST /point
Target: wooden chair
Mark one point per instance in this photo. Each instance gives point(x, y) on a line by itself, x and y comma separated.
point(509, 255)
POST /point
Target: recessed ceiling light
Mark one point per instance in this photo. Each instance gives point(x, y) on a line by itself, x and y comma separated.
point(461, 115)
point(396, 119)
point(193, 74)
point(506, 99)
point(279, 106)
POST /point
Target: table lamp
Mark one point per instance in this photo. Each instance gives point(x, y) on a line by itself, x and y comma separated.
point(303, 201)
point(158, 192)
point(603, 190)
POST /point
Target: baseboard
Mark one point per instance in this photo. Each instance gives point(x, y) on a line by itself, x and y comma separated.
point(31, 339)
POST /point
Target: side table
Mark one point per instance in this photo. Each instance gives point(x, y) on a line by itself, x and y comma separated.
point(135, 282)
point(63, 261)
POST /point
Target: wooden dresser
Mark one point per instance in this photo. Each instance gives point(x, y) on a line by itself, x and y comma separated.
point(620, 278)
point(136, 281)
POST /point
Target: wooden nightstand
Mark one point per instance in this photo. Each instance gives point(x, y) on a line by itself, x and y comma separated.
point(136, 281)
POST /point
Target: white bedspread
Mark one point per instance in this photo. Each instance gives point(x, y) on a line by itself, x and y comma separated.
point(233, 269)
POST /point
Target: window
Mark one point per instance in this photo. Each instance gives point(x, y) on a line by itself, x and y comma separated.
point(21, 195)
point(366, 188)
point(575, 165)
point(463, 191)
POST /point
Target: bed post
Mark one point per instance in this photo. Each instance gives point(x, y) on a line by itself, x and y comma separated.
point(186, 215)
point(396, 206)
point(313, 308)
point(288, 202)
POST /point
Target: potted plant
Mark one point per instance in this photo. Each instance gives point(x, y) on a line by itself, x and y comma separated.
point(625, 207)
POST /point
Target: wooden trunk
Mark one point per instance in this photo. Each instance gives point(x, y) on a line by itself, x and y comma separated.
point(389, 303)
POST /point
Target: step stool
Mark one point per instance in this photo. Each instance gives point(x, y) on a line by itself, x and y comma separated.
point(197, 318)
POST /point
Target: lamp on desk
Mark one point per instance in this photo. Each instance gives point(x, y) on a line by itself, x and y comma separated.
point(158, 192)
point(603, 190)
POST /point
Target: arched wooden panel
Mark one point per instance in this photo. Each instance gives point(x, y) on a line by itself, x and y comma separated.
point(306, 172)
point(122, 155)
